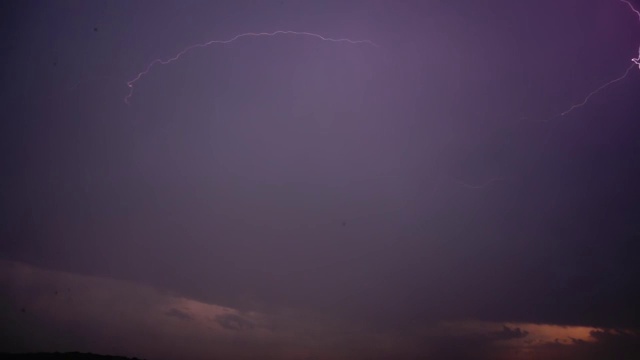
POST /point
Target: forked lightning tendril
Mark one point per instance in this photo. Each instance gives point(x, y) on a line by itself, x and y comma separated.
point(636, 61)
point(132, 82)
point(586, 99)
point(632, 8)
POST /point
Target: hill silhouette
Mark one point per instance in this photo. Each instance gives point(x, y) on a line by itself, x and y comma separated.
point(62, 356)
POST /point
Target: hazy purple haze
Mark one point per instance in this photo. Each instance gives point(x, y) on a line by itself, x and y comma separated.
point(286, 197)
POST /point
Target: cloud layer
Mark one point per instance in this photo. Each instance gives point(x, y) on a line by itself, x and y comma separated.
point(57, 311)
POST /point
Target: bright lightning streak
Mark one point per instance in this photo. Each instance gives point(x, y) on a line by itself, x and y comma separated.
point(636, 61)
point(132, 82)
point(599, 89)
point(632, 8)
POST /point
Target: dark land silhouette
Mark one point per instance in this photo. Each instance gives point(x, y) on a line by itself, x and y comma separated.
point(63, 356)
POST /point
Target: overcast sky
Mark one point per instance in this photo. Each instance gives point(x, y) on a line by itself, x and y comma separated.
point(412, 191)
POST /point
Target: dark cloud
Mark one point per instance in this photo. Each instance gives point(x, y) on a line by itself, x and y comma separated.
point(179, 314)
point(234, 322)
point(459, 347)
point(391, 188)
point(508, 333)
point(608, 344)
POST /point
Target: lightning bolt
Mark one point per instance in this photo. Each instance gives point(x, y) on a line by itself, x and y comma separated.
point(632, 8)
point(131, 83)
point(586, 99)
point(635, 61)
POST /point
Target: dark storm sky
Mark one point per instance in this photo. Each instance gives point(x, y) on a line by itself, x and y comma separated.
point(391, 187)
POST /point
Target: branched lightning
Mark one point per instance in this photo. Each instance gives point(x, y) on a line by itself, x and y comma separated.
point(632, 8)
point(160, 61)
point(635, 61)
point(586, 99)
point(148, 68)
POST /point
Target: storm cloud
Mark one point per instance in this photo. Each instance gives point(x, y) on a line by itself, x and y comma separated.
point(295, 197)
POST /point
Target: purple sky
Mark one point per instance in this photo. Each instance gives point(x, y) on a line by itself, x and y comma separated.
point(292, 198)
